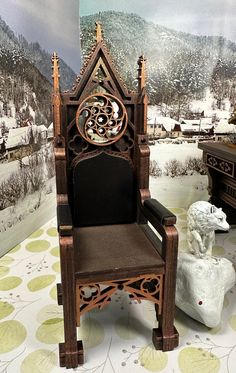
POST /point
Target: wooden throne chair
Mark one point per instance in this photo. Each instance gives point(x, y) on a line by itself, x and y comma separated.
point(104, 205)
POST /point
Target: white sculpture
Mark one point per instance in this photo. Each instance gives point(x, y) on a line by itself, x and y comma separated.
point(203, 219)
point(203, 280)
point(201, 287)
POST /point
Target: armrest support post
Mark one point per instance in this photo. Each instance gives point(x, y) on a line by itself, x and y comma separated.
point(64, 220)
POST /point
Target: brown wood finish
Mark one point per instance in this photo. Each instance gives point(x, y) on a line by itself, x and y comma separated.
point(98, 259)
point(220, 160)
point(143, 287)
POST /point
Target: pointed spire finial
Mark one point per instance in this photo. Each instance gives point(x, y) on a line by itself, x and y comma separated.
point(55, 70)
point(56, 95)
point(142, 72)
point(98, 32)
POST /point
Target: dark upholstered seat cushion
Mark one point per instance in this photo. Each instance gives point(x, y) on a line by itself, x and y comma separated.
point(119, 251)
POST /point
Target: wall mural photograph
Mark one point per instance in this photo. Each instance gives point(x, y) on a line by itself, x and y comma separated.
point(190, 52)
point(190, 49)
point(29, 33)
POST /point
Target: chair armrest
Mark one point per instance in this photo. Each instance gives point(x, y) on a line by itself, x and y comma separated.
point(155, 211)
point(64, 220)
point(163, 221)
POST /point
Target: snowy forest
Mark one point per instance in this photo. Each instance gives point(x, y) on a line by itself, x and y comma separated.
point(181, 66)
point(27, 183)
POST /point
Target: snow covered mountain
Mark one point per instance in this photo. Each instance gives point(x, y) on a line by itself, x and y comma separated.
point(26, 81)
point(34, 54)
point(181, 66)
point(25, 94)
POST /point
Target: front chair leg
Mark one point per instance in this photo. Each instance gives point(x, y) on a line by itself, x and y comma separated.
point(166, 337)
point(71, 351)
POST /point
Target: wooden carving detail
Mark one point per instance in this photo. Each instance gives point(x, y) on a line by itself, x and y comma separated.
point(220, 164)
point(101, 80)
point(77, 145)
point(125, 144)
point(225, 166)
point(94, 295)
point(101, 119)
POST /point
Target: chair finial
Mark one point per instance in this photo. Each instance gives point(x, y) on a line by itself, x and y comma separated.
point(56, 95)
point(142, 72)
point(98, 32)
point(55, 69)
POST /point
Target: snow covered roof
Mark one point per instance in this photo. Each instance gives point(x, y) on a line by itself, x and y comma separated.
point(191, 128)
point(167, 122)
point(20, 136)
point(225, 127)
point(17, 137)
point(197, 122)
point(194, 125)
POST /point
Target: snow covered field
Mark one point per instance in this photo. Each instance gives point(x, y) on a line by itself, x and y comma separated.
point(19, 221)
point(180, 191)
point(7, 168)
point(164, 152)
point(25, 211)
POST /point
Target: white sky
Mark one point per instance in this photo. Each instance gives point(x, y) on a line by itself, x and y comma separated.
point(205, 17)
point(53, 23)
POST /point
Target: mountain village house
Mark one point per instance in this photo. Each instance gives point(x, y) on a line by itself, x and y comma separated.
point(163, 126)
point(200, 126)
point(223, 130)
point(21, 140)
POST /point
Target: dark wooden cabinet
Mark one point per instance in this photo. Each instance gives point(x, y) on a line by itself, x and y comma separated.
point(220, 159)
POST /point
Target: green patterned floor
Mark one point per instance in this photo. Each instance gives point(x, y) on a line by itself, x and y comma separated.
point(116, 339)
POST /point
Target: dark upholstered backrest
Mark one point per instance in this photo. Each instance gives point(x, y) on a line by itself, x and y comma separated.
point(104, 191)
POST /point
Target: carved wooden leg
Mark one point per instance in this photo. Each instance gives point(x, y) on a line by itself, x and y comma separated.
point(71, 351)
point(166, 337)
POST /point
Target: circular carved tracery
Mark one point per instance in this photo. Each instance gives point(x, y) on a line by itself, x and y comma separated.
point(101, 119)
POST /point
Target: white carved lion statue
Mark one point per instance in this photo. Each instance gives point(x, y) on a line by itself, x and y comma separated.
point(203, 219)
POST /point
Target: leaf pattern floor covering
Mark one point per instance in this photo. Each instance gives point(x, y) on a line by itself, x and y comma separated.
point(116, 339)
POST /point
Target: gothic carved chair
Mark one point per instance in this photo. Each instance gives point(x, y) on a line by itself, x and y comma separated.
point(104, 204)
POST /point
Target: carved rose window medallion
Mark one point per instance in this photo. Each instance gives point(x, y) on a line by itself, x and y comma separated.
point(101, 119)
